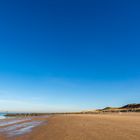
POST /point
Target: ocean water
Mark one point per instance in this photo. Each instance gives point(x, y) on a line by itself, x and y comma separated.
point(2, 116)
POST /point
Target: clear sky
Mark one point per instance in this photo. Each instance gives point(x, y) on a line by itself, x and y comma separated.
point(69, 55)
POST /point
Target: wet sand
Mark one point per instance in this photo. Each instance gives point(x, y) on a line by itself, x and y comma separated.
point(85, 127)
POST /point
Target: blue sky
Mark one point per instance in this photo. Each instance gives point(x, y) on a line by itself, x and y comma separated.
point(58, 55)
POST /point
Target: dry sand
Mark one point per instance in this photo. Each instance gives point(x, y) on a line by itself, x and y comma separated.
point(86, 127)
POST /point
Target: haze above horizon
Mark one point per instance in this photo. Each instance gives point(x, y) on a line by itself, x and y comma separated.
point(58, 55)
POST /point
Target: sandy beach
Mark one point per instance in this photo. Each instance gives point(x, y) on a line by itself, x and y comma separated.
point(84, 127)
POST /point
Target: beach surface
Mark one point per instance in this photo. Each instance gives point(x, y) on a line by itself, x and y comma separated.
point(124, 126)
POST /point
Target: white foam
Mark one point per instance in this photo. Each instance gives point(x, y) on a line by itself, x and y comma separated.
point(2, 117)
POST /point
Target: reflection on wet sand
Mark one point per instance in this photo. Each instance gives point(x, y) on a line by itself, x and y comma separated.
point(15, 127)
point(7, 122)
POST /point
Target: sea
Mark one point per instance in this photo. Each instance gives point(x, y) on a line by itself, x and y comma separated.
point(2, 116)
